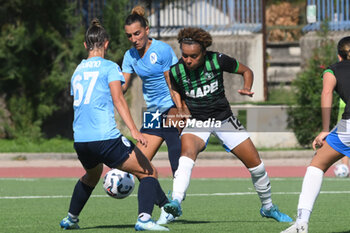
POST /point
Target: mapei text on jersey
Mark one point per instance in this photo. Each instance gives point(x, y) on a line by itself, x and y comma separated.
point(199, 92)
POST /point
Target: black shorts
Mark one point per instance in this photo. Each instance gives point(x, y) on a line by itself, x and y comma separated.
point(112, 152)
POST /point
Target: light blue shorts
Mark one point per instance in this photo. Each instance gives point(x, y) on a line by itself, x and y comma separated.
point(339, 137)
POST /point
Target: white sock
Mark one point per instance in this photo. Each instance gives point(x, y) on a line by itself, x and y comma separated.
point(311, 188)
point(262, 185)
point(144, 217)
point(73, 217)
point(267, 206)
point(303, 215)
point(182, 178)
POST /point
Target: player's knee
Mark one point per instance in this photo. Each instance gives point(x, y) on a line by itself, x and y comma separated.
point(192, 154)
point(150, 172)
point(90, 180)
point(320, 165)
point(141, 176)
point(258, 170)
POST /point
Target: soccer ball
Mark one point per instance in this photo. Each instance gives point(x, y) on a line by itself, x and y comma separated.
point(118, 184)
point(341, 170)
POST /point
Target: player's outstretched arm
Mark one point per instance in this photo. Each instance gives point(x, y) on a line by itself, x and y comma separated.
point(123, 110)
point(248, 78)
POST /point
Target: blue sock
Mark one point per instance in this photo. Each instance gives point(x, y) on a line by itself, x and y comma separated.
point(173, 142)
point(150, 193)
point(80, 196)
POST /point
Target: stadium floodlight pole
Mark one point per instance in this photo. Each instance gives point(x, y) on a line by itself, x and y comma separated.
point(263, 21)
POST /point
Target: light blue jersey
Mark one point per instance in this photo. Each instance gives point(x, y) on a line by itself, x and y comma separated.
point(150, 68)
point(93, 106)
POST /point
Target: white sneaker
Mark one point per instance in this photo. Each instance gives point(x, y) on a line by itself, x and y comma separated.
point(297, 228)
point(149, 225)
point(165, 217)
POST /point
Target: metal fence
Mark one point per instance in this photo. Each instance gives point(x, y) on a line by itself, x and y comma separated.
point(221, 17)
point(224, 17)
point(89, 9)
point(336, 12)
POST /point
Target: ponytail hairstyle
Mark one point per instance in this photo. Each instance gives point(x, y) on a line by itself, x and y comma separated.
point(96, 35)
point(137, 15)
point(195, 35)
point(344, 48)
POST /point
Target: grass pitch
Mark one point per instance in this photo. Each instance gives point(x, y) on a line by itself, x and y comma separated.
point(211, 205)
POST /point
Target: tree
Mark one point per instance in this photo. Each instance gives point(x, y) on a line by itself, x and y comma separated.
point(38, 54)
point(41, 43)
point(114, 15)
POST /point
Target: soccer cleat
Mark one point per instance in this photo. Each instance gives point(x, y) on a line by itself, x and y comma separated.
point(165, 218)
point(69, 223)
point(149, 225)
point(297, 228)
point(174, 208)
point(275, 214)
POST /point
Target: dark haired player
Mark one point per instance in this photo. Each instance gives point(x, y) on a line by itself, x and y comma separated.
point(333, 145)
point(197, 79)
point(97, 89)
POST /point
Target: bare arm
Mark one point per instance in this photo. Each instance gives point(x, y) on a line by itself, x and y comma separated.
point(173, 92)
point(127, 77)
point(123, 109)
point(329, 82)
point(248, 78)
point(179, 102)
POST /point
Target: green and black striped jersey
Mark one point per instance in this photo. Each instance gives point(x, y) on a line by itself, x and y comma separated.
point(203, 88)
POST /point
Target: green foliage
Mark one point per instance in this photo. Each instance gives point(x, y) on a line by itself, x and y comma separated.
point(114, 15)
point(305, 116)
point(53, 145)
point(280, 95)
point(37, 55)
point(39, 50)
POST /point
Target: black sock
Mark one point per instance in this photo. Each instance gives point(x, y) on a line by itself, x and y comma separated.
point(80, 196)
point(147, 195)
point(150, 193)
point(173, 143)
point(162, 199)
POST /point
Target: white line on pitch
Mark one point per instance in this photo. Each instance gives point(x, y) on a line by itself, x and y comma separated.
point(188, 195)
point(197, 179)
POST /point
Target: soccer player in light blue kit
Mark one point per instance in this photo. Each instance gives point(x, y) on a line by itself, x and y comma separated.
point(150, 59)
point(97, 89)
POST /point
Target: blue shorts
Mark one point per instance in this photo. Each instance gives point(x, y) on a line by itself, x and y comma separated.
point(160, 132)
point(339, 137)
point(112, 152)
